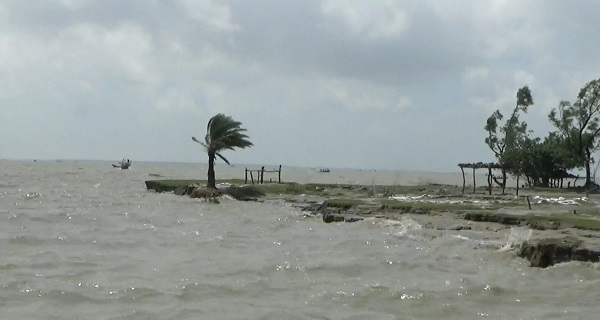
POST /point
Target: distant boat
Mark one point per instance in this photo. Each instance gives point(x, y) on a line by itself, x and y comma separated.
point(324, 170)
point(124, 164)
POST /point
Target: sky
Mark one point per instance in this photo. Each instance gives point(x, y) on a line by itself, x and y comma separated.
point(386, 84)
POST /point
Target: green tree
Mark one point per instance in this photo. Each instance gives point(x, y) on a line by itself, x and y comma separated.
point(545, 160)
point(579, 125)
point(506, 141)
point(222, 132)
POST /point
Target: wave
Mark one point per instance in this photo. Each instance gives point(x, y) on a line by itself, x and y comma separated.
point(516, 238)
point(68, 297)
point(135, 293)
point(199, 291)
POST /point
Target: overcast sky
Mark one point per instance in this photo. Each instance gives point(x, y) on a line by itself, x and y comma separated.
point(382, 84)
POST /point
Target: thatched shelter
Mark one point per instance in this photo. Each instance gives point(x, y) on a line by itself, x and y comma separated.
point(479, 165)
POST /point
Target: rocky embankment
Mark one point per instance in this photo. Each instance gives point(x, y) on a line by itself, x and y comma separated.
point(551, 243)
point(553, 248)
point(194, 189)
point(559, 235)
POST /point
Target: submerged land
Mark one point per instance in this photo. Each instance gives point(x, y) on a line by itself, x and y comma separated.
point(565, 224)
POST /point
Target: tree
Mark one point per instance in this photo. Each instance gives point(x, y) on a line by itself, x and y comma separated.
point(545, 161)
point(509, 140)
point(579, 125)
point(222, 132)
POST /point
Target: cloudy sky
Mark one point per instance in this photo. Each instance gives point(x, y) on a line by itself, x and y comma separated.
point(385, 84)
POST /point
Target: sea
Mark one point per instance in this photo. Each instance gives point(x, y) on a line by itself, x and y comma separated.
point(84, 240)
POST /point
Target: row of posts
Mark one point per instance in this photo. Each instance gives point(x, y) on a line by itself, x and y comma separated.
point(260, 175)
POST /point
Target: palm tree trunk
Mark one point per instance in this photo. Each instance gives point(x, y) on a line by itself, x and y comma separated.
point(211, 170)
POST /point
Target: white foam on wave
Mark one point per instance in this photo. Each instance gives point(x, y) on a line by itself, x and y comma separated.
point(406, 227)
point(458, 236)
point(384, 222)
point(560, 200)
point(425, 198)
point(516, 237)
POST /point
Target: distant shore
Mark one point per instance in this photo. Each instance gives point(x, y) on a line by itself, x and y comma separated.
point(565, 224)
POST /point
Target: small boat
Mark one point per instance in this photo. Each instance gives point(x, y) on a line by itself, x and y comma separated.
point(324, 170)
point(124, 164)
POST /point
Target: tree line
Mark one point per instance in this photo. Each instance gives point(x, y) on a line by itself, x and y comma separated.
point(542, 161)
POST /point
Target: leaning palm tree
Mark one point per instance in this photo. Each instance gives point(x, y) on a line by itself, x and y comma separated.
point(222, 132)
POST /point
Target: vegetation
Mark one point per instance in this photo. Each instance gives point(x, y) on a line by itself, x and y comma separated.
point(579, 125)
point(508, 142)
point(542, 222)
point(345, 203)
point(244, 192)
point(222, 132)
point(544, 161)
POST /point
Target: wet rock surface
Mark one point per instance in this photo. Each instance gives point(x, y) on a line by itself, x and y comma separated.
point(333, 214)
point(547, 252)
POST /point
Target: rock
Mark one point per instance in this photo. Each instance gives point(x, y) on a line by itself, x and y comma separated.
point(337, 216)
point(206, 193)
point(459, 227)
point(179, 187)
point(548, 252)
point(353, 218)
point(245, 193)
point(185, 191)
point(494, 217)
point(330, 217)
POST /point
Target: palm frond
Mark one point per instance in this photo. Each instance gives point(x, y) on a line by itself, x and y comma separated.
point(222, 132)
point(223, 158)
point(200, 142)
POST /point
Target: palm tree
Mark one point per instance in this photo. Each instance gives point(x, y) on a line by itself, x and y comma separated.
point(222, 132)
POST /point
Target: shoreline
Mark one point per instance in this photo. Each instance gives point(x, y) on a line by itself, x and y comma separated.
point(565, 225)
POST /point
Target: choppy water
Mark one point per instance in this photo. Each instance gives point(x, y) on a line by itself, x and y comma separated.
point(81, 240)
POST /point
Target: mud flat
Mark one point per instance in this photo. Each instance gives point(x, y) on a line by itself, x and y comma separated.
point(565, 225)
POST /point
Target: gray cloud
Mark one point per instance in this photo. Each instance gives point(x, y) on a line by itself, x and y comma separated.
point(388, 84)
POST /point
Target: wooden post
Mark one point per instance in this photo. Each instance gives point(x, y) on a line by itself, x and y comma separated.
point(464, 182)
point(518, 176)
point(246, 176)
point(251, 177)
point(473, 179)
point(528, 203)
point(279, 174)
point(262, 175)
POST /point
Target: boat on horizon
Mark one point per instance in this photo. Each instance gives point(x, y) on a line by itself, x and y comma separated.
point(124, 164)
